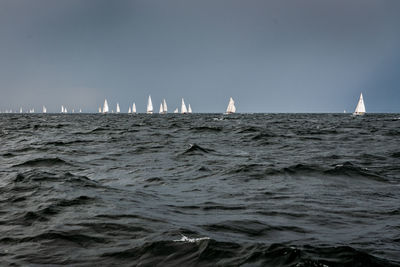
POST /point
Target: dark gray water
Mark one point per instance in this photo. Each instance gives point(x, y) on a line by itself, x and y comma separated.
point(259, 190)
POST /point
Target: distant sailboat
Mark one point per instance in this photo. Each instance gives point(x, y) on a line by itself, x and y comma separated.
point(44, 109)
point(360, 109)
point(165, 108)
point(190, 109)
point(149, 106)
point(105, 106)
point(118, 109)
point(20, 110)
point(176, 110)
point(62, 109)
point(134, 108)
point(129, 110)
point(231, 107)
point(183, 107)
point(80, 110)
point(100, 109)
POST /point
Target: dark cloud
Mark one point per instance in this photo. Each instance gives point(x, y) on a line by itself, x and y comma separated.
point(271, 56)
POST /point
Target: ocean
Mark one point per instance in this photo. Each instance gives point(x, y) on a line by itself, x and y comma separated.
point(200, 190)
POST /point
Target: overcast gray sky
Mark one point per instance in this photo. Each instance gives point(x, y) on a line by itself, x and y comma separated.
point(269, 55)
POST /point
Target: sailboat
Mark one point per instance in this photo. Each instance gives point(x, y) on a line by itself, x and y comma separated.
point(176, 110)
point(183, 107)
point(62, 109)
point(190, 109)
point(105, 106)
point(65, 110)
point(165, 108)
point(20, 110)
point(80, 110)
point(129, 110)
point(134, 108)
point(44, 109)
point(360, 109)
point(231, 107)
point(100, 109)
point(118, 109)
point(149, 106)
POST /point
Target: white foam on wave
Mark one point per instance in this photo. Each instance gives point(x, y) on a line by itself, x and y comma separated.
point(191, 240)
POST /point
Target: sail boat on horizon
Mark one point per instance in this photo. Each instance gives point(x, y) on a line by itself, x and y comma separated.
point(105, 106)
point(134, 108)
point(163, 107)
point(231, 107)
point(149, 106)
point(183, 107)
point(360, 109)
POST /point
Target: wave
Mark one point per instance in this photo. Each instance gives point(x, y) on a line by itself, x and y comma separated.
point(251, 228)
point(395, 155)
point(208, 252)
point(251, 129)
point(46, 213)
point(206, 129)
point(64, 143)
point(264, 135)
point(30, 179)
point(43, 162)
point(77, 238)
point(351, 170)
point(196, 149)
point(347, 169)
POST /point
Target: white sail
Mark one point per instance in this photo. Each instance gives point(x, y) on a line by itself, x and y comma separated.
point(176, 110)
point(149, 106)
point(80, 110)
point(161, 111)
point(105, 106)
point(65, 110)
point(134, 108)
point(118, 109)
point(360, 109)
point(165, 108)
point(183, 107)
point(190, 109)
point(129, 110)
point(20, 110)
point(231, 106)
point(44, 109)
point(62, 109)
point(100, 109)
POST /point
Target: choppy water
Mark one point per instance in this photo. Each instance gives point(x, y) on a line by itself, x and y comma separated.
point(256, 190)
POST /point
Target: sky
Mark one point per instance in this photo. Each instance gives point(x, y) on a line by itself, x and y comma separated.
point(269, 55)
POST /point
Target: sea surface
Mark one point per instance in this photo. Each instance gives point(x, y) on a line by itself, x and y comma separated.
point(200, 190)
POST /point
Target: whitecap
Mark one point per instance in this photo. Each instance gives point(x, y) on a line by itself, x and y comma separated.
point(191, 240)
